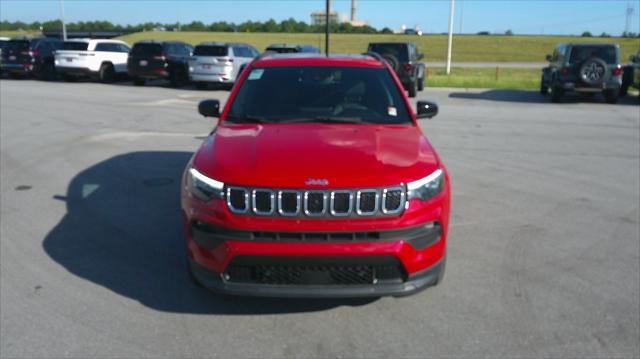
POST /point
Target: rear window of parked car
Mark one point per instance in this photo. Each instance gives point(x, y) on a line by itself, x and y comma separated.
point(18, 45)
point(210, 51)
point(582, 53)
point(146, 50)
point(397, 50)
point(75, 45)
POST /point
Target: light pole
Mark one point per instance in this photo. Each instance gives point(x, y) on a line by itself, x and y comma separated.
point(450, 37)
point(64, 28)
point(326, 28)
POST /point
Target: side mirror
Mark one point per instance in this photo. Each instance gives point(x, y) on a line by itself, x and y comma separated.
point(209, 108)
point(420, 56)
point(426, 109)
point(549, 58)
point(633, 58)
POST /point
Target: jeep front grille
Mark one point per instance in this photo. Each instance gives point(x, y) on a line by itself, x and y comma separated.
point(316, 203)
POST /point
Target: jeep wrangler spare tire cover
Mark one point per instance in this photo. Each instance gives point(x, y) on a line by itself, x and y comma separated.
point(392, 60)
point(593, 71)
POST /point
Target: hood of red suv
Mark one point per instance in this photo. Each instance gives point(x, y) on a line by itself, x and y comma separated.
point(316, 155)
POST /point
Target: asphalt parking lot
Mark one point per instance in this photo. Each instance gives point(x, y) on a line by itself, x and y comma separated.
point(543, 256)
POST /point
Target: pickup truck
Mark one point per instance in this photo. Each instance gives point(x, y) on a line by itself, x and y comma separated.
point(95, 58)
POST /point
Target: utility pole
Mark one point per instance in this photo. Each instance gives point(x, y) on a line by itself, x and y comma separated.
point(461, 9)
point(628, 19)
point(326, 28)
point(450, 37)
point(64, 27)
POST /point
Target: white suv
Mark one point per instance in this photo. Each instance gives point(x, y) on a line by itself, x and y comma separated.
point(218, 62)
point(104, 59)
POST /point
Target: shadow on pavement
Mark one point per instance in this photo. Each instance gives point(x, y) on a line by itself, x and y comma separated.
point(525, 96)
point(122, 231)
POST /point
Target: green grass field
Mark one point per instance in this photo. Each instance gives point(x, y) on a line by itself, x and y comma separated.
point(511, 78)
point(466, 48)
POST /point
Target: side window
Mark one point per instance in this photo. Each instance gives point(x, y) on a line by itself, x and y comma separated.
point(236, 51)
point(187, 50)
point(103, 47)
point(123, 48)
point(254, 52)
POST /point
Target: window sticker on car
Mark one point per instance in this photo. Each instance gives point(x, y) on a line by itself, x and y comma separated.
point(392, 111)
point(256, 74)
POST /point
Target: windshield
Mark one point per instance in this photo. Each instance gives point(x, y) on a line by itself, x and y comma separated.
point(582, 53)
point(75, 45)
point(319, 94)
point(399, 51)
point(210, 51)
point(146, 50)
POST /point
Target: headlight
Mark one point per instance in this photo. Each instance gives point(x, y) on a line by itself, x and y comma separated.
point(203, 187)
point(426, 188)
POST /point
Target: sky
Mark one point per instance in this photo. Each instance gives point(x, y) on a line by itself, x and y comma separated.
point(561, 17)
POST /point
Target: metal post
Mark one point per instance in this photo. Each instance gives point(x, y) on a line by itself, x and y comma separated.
point(64, 27)
point(326, 29)
point(450, 38)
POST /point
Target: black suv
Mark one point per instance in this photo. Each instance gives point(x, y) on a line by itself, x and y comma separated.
point(159, 60)
point(583, 68)
point(404, 59)
point(30, 56)
point(291, 48)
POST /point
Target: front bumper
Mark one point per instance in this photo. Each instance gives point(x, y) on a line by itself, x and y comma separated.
point(414, 283)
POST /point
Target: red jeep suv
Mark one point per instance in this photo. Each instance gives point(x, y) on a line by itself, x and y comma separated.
point(317, 182)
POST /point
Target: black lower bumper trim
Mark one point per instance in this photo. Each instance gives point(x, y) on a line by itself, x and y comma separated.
point(414, 283)
point(210, 236)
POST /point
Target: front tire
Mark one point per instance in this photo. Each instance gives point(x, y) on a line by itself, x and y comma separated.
point(107, 73)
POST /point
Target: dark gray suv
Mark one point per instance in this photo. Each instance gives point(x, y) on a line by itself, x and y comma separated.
point(405, 60)
point(584, 68)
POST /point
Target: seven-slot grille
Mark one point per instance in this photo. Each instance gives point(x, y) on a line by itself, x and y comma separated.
point(316, 203)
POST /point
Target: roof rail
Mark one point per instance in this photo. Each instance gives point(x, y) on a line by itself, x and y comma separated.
point(375, 55)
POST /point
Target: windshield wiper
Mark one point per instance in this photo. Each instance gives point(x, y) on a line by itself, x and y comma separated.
point(326, 120)
point(248, 118)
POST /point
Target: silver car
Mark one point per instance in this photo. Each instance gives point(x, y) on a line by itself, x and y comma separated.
point(220, 63)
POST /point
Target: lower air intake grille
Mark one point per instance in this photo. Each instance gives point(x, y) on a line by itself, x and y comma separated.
point(315, 274)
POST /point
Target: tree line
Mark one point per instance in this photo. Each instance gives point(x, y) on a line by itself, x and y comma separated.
point(289, 25)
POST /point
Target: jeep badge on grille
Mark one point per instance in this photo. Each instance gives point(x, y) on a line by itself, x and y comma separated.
point(316, 182)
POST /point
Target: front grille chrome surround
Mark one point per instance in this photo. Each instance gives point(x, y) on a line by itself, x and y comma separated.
point(307, 211)
point(281, 208)
point(359, 202)
point(403, 200)
point(317, 203)
point(333, 204)
point(272, 205)
point(246, 200)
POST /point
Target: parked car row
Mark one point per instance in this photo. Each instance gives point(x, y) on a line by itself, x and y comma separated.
point(106, 60)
